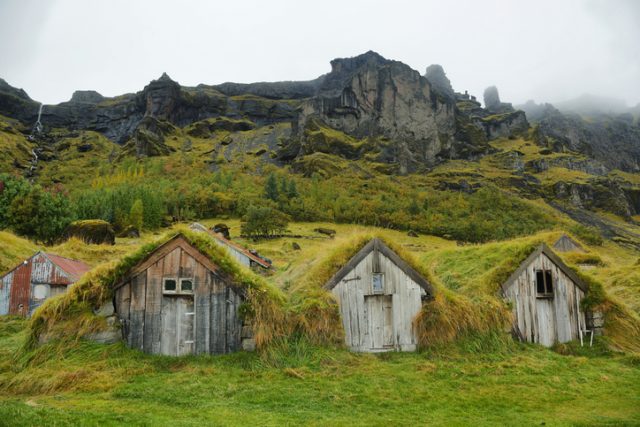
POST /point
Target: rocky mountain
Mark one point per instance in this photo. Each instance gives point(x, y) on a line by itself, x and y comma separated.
point(613, 139)
point(395, 115)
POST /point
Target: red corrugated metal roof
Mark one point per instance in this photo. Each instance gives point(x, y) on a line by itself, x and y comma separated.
point(236, 246)
point(72, 267)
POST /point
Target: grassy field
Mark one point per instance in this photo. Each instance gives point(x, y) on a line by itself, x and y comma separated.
point(484, 381)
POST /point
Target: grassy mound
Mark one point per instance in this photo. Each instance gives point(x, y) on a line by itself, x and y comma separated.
point(448, 317)
point(94, 231)
point(478, 271)
point(70, 316)
point(13, 250)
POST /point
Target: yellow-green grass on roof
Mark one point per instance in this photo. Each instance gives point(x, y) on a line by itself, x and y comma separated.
point(70, 315)
point(447, 317)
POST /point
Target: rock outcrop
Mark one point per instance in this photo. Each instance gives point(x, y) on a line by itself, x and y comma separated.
point(614, 140)
point(493, 104)
point(366, 106)
point(370, 97)
point(439, 81)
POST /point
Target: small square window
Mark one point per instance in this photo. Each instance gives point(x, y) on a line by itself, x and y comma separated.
point(186, 285)
point(170, 285)
point(544, 284)
point(378, 283)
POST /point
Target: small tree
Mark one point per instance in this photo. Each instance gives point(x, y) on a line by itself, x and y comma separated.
point(136, 215)
point(263, 221)
point(271, 187)
point(414, 207)
point(10, 188)
point(42, 215)
point(292, 191)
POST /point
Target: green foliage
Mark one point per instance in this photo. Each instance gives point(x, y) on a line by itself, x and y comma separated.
point(111, 203)
point(589, 235)
point(292, 190)
point(41, 214)
point(414, 207)
point(136, 215)
point(10, 188)
point(271, 187)
point(264, 221)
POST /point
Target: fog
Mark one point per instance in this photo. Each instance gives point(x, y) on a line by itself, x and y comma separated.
point(546, 50)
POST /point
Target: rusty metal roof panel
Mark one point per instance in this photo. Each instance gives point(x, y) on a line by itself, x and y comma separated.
point(75, 269)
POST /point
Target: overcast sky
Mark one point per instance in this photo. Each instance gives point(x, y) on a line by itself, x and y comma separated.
point(546, 50)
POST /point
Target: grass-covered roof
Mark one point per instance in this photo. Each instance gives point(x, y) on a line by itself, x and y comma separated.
point(72, 313)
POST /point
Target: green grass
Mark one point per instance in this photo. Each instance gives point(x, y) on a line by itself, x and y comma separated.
point(481, 382)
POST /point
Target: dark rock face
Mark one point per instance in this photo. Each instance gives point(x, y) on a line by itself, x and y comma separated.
point(275, 90)
point(369, 96)
point(614, 140)
point(589, 166)
point(439, 81)
point(163, 99)
point(604, 194)
point(505, 125)
point(87, 96)
point(492, 101)
point(148, 139)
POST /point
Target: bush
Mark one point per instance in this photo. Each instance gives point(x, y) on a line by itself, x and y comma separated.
point(264, 221)
point(40, 214)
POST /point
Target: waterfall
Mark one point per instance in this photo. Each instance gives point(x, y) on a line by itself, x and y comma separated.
point(38, 126)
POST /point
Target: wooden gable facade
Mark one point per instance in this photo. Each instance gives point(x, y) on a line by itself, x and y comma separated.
point(33, 281)
point(545, 295)
point(177, 301)
point(379, 295)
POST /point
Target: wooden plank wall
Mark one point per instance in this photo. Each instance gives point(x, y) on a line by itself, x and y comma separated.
point(144, 311)
point(546, 321)
point(5, 292)
point(406, 296)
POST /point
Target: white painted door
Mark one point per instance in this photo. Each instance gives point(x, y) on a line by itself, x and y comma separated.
point(546, 321)
point(380, 321)
point(178, 320)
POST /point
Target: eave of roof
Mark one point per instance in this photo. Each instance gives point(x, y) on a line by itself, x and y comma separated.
point(546, 250)
point(378, 244)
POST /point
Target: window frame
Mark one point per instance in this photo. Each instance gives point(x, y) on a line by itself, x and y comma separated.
point(186, 279)
point(549, 287)
point(170, 292)
point(382, 280)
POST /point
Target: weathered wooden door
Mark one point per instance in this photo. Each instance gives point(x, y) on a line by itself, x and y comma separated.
point(546, 320)
point(178, 320)
point(380, 313)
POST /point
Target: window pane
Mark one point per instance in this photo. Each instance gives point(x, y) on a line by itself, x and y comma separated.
point(549, 281)
point(170, 285)
point(540, 282)
point(186, 285)
point(378, 283)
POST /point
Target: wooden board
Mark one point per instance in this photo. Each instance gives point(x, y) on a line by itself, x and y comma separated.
point(152, 321)
point(136, 315)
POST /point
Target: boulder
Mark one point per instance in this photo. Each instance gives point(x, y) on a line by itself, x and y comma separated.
point(130, 232)
point(326, 231)
point(222, 229)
